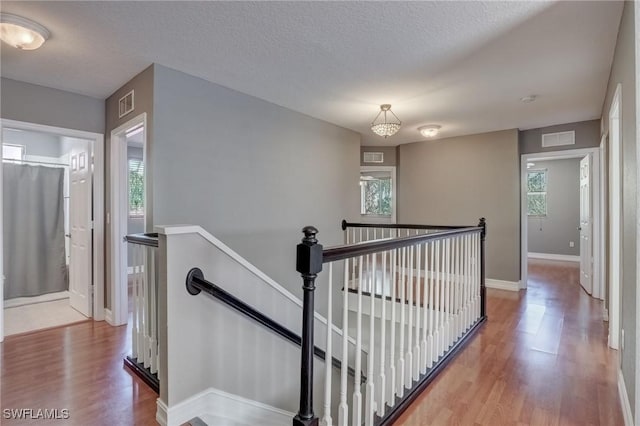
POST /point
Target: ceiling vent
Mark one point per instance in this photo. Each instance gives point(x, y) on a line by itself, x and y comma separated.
point(374, 157)
point(558, 139)
point(125, 104)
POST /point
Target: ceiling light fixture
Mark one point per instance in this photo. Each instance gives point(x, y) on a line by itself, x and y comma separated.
point(22, 33)
point(528, 99)
point(429, 131)
point(380, 126)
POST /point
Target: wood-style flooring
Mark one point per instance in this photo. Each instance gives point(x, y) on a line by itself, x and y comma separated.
point(541, 359)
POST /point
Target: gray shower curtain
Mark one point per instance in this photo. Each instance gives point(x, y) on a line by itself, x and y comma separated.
point(34, 252)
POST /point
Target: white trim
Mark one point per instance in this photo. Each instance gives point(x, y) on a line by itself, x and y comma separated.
point(551, 256)
point(108, 316)
point(394, 195)
point(224, 406)
point(119, 215)
point(600, 291)
point(524, 222)
point(624, 401)
point(97, 140)
point(194, 229)
point(615, 220)
point(30, 300)
point(502, 285)
point(130, 269)
point(637, 120)
point(605, 314)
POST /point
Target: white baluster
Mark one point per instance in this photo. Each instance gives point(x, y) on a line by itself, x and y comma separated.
point(447, 297)
point(409, 359)
point(426, 307)
point(145, 309)
point(436, 306)
point(134, 302)
point(392, 345)
point(326, 419)
point(153, 301)
point(343, 408)
point(357, 394)
point(418, 303)
point(403, 302)
point(383, 336)
point(432, 283)
point(370, 405)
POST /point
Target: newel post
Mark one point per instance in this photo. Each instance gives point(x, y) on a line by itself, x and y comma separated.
point(483, 288)
point(309, 264)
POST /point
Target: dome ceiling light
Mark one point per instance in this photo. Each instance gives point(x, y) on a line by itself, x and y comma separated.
point(382, 126)
point(22, 33)
point(429, 131)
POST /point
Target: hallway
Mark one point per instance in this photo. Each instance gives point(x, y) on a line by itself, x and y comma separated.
point(541, 359)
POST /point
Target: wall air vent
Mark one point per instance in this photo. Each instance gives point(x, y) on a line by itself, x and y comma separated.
point(558, 139)
point(125, 104)
point(373, 157)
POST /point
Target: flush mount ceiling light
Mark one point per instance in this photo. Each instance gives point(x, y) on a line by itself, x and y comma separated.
point(429, 131)
point(22, 33)
point(382, 126)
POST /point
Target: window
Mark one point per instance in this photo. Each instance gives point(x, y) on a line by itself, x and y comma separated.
point(136, 187)
point(376, 195)
point(537, 193)
point(12, 152)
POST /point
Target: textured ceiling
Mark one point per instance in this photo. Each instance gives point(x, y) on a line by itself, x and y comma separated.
point(463, 65)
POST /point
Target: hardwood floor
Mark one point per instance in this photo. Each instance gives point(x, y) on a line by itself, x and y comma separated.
point(78, 368)
point(541, 359)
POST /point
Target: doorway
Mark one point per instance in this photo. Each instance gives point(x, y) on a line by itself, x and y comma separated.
point(51, 222)
point(128, 209)
point(577, 237)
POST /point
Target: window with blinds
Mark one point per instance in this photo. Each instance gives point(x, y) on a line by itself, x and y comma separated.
point(136, 187)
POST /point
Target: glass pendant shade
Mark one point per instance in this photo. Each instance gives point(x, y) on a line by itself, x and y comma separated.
point(386, 122)
point(22, 33)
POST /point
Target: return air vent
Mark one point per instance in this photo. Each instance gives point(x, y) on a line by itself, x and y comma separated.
point(558, 139)
point(125, 104)
point(374, 157)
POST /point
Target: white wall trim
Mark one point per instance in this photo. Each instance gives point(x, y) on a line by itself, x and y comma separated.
point(524, 222)
point(624, 401)
point(551, 256)
point(215, 402)
point(97, 140)
point(108, 316)
point(502, 285)
point(615, 215)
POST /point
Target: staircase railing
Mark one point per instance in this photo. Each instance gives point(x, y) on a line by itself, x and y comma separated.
point(432, 300)
point(144, 358)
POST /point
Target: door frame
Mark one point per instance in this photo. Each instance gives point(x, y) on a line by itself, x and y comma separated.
point(615, 218)
point(98, 267)
point(119, 312)
point(597, 288)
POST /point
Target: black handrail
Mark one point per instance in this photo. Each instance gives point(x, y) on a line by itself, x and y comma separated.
point(346, 225)
point(148, 239)
point(196, 283)
point(348, 251)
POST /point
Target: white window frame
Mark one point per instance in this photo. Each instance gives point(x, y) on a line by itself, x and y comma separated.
point(135, 215)
point(546, 185)
point(394, 195)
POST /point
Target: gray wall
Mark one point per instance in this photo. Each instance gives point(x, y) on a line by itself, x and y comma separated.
point(456, 181)
point(389, 155)
point(35, 143)
point(42, 105)
point(250, 172)
point(143, 86)
point(624, 72)
point(587, 136)
point(552, 234)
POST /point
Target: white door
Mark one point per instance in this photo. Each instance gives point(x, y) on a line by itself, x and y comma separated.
point(80, 225)
point(586, 225)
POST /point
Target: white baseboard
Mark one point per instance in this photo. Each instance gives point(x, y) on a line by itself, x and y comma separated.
point(108, 316)
point(502, 285)
point(605, 314)
point(550, 256)
point(624, 400)
point(214, 402)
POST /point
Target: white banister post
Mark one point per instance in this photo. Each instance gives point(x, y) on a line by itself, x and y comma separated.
point(409, 358)
point(370, 387)
point(424, 359)
point(328, 365)
point(394, 302)
point(418, 303)
point(383, 336)
point(403, 301)
point(343, 408)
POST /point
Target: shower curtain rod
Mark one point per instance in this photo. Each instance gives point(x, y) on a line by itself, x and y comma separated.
point(11, 160)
